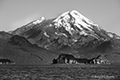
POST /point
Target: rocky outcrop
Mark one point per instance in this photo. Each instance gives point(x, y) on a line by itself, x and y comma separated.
point(65, 58)
point(101, 60)
point(6, 61)
point(70, 59)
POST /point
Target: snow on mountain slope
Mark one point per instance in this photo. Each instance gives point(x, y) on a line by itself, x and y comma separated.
point(70, 32)
point(76, 18)
point(70, 29)
point(74, 22)
point(38, 20)
point(74, 30)
point(27, 27)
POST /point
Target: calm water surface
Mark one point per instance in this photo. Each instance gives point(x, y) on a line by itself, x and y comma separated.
point(60, 72)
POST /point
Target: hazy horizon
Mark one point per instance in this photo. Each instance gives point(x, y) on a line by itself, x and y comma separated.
point(15, 13)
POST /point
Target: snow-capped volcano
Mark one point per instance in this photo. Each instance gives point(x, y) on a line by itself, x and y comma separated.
point(69, 33)
point(70, 29)
point(75, 18)
point(73, 22)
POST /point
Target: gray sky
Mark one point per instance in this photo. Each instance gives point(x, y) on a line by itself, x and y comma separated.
point(15, 13)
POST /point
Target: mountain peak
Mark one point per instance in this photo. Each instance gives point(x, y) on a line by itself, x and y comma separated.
point(74, 22)
point(39, 20)
point(75, 14)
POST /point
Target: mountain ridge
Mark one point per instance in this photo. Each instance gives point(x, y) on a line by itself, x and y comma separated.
point(68, 29)
point(69, 33)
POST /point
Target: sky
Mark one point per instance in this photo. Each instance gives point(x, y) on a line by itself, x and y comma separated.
point(15, 13)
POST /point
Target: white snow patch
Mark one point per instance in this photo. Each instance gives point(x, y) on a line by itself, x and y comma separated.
point(50, 25)
point(83, 33)
point(74, 40)
point(39, 20)
point(46, 34)
point(110, 35)
point(60, 34)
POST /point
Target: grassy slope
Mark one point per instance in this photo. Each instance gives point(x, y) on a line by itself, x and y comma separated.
point(24, 54)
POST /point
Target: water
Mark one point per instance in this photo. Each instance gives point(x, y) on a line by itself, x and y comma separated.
point(60, 72)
